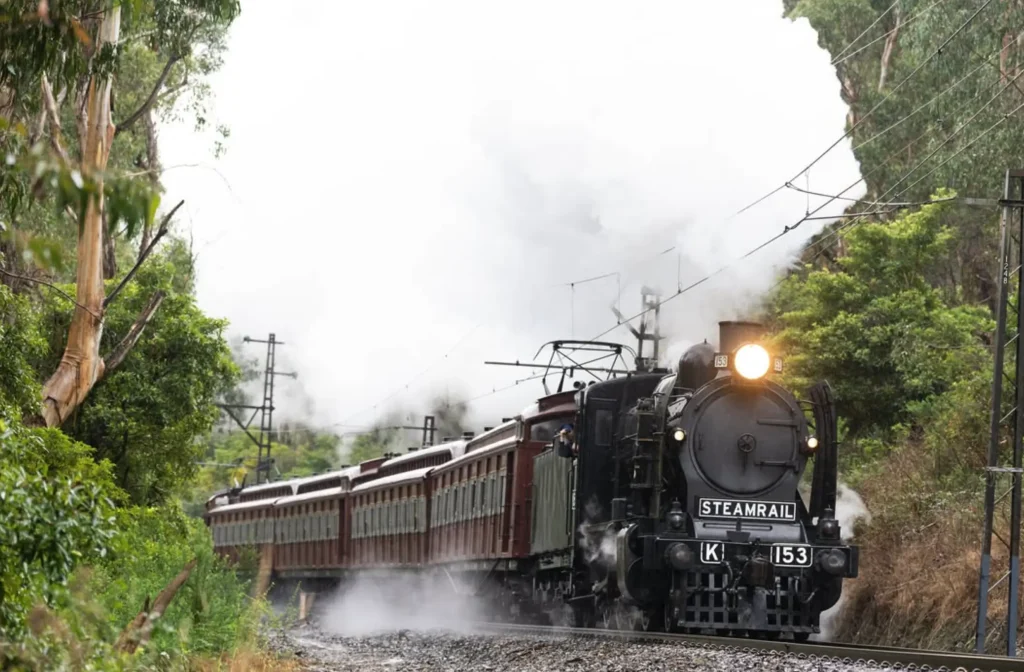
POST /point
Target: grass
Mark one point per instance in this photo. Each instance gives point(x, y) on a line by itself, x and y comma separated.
point(919, 562)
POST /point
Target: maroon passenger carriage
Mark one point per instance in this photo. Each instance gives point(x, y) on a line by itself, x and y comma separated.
point(462, 507)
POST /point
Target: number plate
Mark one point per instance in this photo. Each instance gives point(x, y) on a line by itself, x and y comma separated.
point(791, 555)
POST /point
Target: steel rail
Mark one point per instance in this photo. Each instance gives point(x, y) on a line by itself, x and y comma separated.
point(881, 656)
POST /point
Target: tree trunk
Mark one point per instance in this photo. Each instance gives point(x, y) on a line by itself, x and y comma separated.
point(81, 365)
point(887, 51)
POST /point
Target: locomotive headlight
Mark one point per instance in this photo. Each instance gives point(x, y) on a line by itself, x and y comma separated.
point(679, 435)
point(812, 442)
point(752, 361)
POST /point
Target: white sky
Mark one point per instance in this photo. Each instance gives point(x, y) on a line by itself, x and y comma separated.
point(409, 179)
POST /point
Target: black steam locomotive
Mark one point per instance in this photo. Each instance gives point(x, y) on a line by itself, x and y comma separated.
point(685, 504)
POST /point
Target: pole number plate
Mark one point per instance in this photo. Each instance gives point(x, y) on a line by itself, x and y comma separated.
point(791, 555)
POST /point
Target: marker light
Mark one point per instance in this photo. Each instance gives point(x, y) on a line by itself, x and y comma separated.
point(679, 435)
point(752, 361)
point(812, 442)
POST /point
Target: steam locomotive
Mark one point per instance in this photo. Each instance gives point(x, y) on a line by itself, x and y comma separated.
point(676, 507)
point(687, 486)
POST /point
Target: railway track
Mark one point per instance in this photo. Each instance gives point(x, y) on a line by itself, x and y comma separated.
point(883, 656)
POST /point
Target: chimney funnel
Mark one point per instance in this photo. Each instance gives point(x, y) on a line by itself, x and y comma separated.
point(467, 435)
point(487, 429)
point(732, 335)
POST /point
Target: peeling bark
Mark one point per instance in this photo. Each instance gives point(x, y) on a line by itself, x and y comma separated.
point(81, 365)
point(890, 47)
point(849, 94)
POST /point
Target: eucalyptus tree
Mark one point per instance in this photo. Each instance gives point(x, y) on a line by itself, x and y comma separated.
point(80, 82)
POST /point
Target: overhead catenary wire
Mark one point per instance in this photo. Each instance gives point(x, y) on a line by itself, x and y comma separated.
point(849, 225)
point(894, 206)
point(866, 30)
point(809, 216)
point(903, 24)
point(405, 386)
point(853, 222)
point(853, 127)
point(944, 143)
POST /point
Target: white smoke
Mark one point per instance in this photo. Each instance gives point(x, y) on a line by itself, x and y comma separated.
point(446, 169)
point(401, 601)
point(850, 510)
point(596, 542)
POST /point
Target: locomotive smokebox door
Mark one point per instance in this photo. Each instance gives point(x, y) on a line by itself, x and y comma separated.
point(748, 438)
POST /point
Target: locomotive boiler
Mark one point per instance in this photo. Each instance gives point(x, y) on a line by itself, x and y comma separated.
point(686, 497)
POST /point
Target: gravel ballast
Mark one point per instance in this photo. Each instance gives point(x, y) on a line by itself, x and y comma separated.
point(449, 651)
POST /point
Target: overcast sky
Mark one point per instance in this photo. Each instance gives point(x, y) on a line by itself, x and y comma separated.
point(410, 180)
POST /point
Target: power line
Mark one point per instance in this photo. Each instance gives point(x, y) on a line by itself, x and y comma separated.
point(891, 127)
point(405, 386)
point(877, 105)
point(809, 216)
point(842, 59)
point(866, 30)
point(921, 107)
point(859, 218)
point(848, 225)
point(920, 163)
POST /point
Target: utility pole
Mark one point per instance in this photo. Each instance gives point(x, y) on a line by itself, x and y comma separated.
point(650, 328)
point(266, 409)
point(1007, 419)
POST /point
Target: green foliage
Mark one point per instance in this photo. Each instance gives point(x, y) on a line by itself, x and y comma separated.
point(21, 346)
point(152, 546)
point(972, 56)
point(176, 44)
point(370, 445)
point(55, 512)
point(299, 452)
point(876, 327)
point(149, 415)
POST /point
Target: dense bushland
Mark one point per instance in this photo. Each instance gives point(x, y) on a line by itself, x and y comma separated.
point(897, 310)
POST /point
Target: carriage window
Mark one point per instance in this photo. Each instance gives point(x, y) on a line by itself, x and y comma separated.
point(546, 430)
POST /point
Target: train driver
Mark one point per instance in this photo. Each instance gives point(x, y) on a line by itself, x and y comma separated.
point(566, 441)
